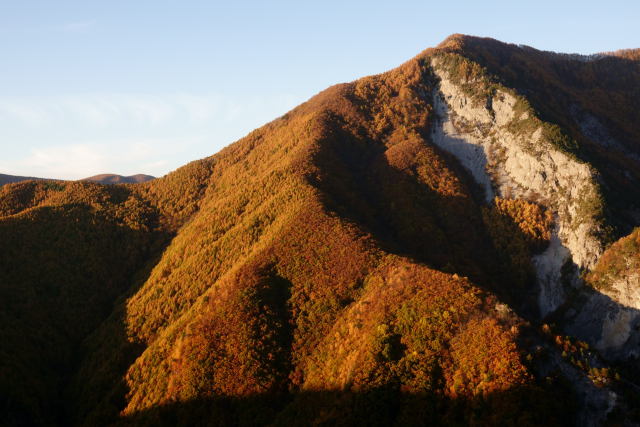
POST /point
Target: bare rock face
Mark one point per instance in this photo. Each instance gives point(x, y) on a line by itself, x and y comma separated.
point(506, 151)
point(616, 329)
point(619, 333)
point(612, 328)
point(626, 290)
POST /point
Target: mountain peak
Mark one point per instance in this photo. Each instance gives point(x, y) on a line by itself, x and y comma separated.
point(455, 41)
point(459, 42)
point(468, 44)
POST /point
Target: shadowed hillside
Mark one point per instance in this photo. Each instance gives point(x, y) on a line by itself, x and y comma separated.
point(7, 179)
point(348, 263)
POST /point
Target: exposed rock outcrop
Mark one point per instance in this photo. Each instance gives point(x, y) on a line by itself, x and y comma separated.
point(506, 150)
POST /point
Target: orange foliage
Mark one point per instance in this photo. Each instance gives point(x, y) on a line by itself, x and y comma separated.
point(518, 229)
point(621, 261)
point(533, 220)
point(485, 360)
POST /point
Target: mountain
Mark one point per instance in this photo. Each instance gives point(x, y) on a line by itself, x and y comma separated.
point(450, 242)
point(109, 178)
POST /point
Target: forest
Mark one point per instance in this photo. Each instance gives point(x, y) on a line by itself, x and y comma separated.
point(333, 267)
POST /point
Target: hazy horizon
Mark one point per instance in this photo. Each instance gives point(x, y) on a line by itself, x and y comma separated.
point(144, 88)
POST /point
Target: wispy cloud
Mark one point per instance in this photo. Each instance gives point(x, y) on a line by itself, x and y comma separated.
point(75, 136)
point(29, 113)
point(81, 26)
point(78, 26)
point(150, 110)
point(76, 161)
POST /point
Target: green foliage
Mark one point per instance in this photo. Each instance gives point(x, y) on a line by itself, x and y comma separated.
point(473, 79)
point(555, 135)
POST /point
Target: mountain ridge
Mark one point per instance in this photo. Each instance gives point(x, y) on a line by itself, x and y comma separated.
point(106, 178)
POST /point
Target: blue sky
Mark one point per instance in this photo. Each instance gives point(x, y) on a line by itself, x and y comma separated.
point(89, 87)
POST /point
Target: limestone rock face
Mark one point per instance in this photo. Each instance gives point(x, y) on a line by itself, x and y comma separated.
point(614, 314)
point(479, 131)
point(507, 153)
point(626, 291)
point(609, 326)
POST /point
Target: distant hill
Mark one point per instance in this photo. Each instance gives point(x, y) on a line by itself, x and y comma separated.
point(105, 178)
point(110, 178)
point(7, 179)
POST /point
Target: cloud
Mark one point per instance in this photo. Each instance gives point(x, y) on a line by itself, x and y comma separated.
point(28, 113)
point(75, 161)
point(199, 108)
point(78, 27)
point(107, 109)
point(116, 109)
point(74, 136)
point(126, 156)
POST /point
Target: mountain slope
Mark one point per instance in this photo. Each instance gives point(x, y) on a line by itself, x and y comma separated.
point(276, 267)
point(383, 253)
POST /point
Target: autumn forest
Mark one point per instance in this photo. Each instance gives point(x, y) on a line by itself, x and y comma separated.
point(350, 263)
